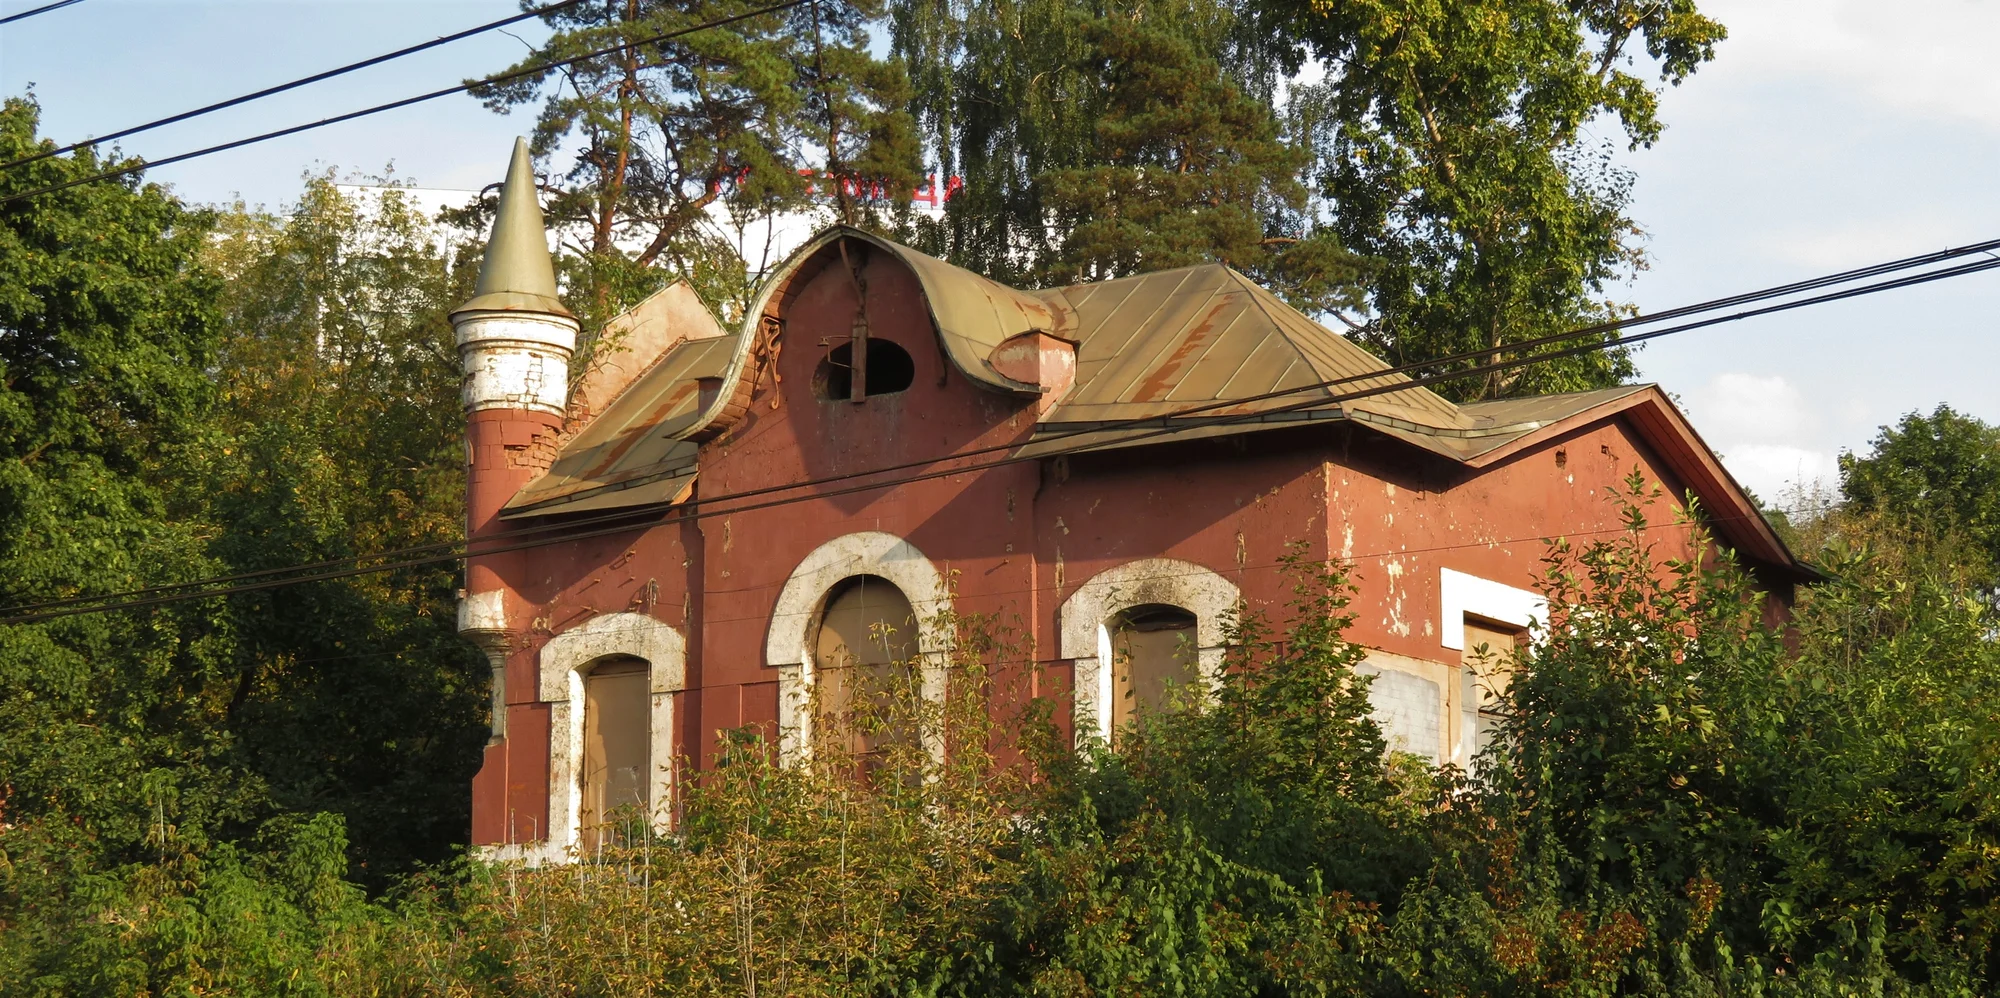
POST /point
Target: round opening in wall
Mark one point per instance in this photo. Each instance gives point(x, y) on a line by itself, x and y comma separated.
point(890, 370)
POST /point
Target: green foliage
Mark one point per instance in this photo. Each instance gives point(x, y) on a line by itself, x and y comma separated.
point(189, 394)
point(1934, 477)
point(1807, 809)
point(1241, 846)
point(108, 334)
point(1421, 170)
point(1099, 143)
point(1452, 149)
point(338, 434)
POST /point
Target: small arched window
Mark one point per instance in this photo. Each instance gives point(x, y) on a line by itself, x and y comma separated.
point(1153, 650)
point(617, 757)
point(864, 660)
point(889, 369)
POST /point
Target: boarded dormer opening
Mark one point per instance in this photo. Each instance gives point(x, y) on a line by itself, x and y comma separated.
point(890, 370)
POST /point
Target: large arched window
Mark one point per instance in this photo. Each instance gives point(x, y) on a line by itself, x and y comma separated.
point(864, 665)
point(792, 646)
point(617, 750)
point(1153, 659)
point(592, 663)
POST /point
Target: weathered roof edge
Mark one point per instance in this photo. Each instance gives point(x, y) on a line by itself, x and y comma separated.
point(1669, 432)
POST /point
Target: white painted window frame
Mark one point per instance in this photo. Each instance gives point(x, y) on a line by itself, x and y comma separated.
point(565, 660)
point(1461, 595)
point(1087, 614)
point(787, 647)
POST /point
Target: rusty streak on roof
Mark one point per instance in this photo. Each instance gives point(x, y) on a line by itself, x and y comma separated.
point(636, 441)
point(1156, 343)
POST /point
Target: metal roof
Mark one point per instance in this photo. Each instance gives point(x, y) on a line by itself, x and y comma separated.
point(1147, 347)
point(636, 441)
point(516, 274)
point(1155, 343)
point(973, 314)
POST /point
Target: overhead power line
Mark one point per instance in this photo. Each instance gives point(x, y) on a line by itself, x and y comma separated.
point(407, 101)
point(43, 9)
point(282, 87)
point(568, 531)
point(567, 526)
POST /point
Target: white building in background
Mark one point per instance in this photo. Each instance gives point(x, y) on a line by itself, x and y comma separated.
point(763, 243)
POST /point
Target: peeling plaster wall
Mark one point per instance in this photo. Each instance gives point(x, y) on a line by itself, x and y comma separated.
point(1401, 518)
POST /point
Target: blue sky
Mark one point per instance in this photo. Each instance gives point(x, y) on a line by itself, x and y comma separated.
point(1827, 134)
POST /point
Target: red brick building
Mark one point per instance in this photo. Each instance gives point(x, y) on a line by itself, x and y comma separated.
point(689, 540)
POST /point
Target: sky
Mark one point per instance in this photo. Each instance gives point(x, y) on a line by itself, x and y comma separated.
point(1827, 134)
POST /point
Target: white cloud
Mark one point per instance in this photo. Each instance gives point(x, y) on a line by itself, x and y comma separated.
point(1750, 408)
point(1766, 430)
point(1774, 470)
point(1817, 246)
point(1931, 58)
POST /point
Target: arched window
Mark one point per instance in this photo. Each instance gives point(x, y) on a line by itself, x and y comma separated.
point(791, 645)
point(864, 663)
point(617, 751)
point(1148, 605)
point(1153, 651)
point(889, 369)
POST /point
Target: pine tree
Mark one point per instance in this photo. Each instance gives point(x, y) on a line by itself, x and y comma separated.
point(752, 116)
point(1184, 167)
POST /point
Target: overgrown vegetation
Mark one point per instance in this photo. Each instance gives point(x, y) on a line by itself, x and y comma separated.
point(266, 794)
point(1680, 804)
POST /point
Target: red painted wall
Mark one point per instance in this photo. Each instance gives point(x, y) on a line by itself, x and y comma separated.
point(1014, 541)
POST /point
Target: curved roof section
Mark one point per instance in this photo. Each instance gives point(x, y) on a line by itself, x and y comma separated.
point(973, 314)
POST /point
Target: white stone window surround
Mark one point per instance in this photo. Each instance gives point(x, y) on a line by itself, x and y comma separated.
point(1087, 614)
point(1461, 595)
point(565, 660)
point(788, 646)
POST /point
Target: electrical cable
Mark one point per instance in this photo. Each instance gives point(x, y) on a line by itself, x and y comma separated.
point(567, 526)
point(693, 511)
point(405, 102)
point(293, 85)
point(43, 9)
point(1161, 576)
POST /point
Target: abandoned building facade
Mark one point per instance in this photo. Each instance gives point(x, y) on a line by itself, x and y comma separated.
point(710, 524)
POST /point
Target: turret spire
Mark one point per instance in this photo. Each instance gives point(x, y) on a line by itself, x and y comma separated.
point(516, 274)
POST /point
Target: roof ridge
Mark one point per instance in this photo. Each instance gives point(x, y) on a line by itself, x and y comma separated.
point(1264, 298)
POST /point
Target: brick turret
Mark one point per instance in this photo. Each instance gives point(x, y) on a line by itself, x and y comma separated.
point(515, 340)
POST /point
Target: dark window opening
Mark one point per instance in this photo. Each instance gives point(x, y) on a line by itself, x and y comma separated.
point(890, 370)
